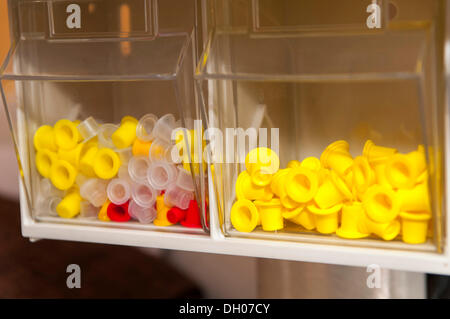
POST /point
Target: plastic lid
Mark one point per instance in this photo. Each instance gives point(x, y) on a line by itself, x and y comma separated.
point(87, 210)
point(125, 135)
point(160, 150)
point(193, 219)
point(137, 168)
point(184, 180)
point(119, 191)
point(161, 174)
point(44, 138)
point(143, 194)
point(74, 112)
point(89, 128)
point(244, 215)
point(118, 213)
point(164, 127)
point(262, 157)
point(81, 179)
point(106, 163)
point(125, 154)
point(381, 203)
point(144, 129)
point(66, 134)
point(63, 175)
point(144, 215)
point(176, 196)
point(44, 160)
point(47, 206)
point(301, 184)
point(46, 189)
point(105, 133)
point(175, 215)
point(123, 173)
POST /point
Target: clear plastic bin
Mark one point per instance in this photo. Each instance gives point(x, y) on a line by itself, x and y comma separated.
point(75, 71)
point(320, 72)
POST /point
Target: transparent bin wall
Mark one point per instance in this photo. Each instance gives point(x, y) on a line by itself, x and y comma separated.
point(321, 78)
point(121, 61)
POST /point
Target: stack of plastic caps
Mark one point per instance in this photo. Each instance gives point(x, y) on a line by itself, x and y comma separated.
point(114, 172)
point(382, 193)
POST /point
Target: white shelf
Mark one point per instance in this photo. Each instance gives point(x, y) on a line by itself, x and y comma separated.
point(321, 250)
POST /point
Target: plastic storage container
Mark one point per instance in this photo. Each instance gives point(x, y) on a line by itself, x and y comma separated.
point(313, 69)
point(89, 86)
point(323, 84)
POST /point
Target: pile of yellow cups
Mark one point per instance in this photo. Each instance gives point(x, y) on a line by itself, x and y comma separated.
point(382, 193)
